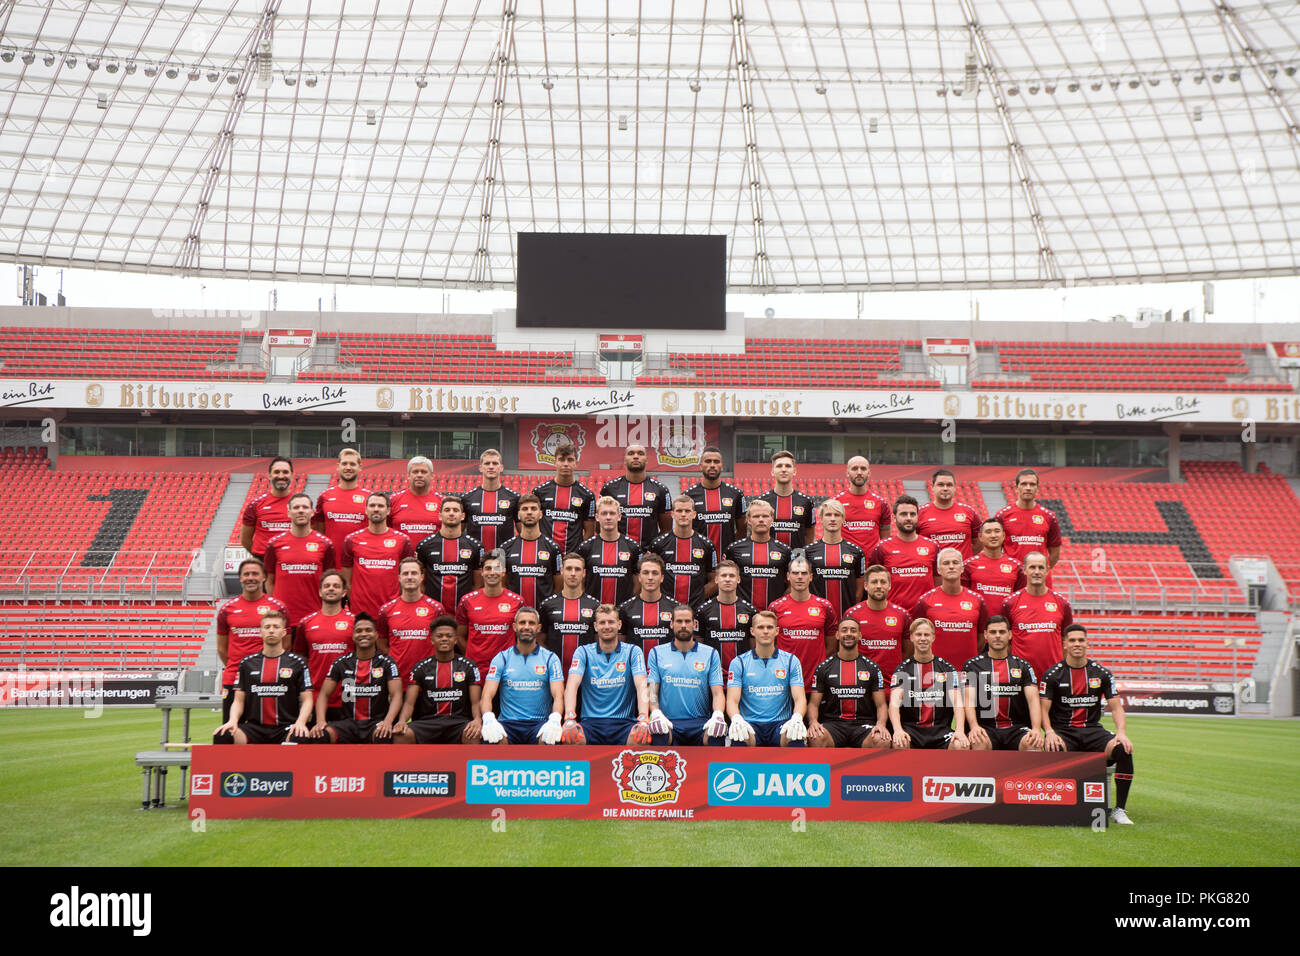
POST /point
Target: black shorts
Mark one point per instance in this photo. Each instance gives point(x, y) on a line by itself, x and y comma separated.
point(1089, 739)
point(263, 734)
point(332, 716)
point(1006, 738)
point(438, 730)
point(847, 733)
point(928, 738)
point(353, 731)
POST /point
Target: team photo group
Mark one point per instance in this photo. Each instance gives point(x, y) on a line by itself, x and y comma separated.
point(626, 615)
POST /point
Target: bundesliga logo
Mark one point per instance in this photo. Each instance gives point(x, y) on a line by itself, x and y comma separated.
point(649, 779)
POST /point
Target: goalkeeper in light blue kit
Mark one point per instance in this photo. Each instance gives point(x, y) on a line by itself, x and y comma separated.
point(685, 688)
point(765, 696)
point(611, 677)
point(531, 686)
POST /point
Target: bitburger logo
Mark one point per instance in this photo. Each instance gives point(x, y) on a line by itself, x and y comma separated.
point(384, 398)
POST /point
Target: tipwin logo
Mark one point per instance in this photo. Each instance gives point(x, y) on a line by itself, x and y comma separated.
point(76, 909)
point(959, 790)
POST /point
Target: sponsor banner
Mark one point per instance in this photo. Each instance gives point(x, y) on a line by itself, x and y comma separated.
point(620, 343)
point(1153, 697)
point(688, 403)
point(281, 338)
point(947, 346)
point(1288, 354)
point(650, 783)
point(671, 441)
point(85, 688)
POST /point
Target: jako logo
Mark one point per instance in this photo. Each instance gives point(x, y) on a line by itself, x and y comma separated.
point(770, 785)
point(959, 790)
point(74, 909)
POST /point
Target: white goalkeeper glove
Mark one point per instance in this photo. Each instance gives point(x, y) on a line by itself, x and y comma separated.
point(551, 730)
point(794, 729)
point(740, 729)
point(493, 732)
point(659, 724)
point(716, 726)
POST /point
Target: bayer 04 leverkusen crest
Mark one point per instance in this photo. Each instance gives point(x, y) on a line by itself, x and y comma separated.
point(649, 778)
point(548, 436)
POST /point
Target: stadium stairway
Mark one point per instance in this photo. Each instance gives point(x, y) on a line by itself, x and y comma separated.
point(1274, 628)
point(994, 498)
point(218, 536)
point(918, 490)
point(316, 484)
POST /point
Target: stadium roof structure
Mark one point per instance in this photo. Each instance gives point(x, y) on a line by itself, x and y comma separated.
point(839, 145)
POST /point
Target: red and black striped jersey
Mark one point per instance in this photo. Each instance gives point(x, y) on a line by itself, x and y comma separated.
point(564, 509)
point(647, 624)
point(725, 628)
point(611, 567)
point(791, 514)
point(1076, 694)
point(449, 566)
point(717, 511)
point(272, 686)
point(927, 692)
point(836, 569)
point(847, 688)
point(567, 624)
point(999, 685)
point(640, 503)
point(687, 564)
point(364, 685)
point(491, 515)
point(531, 566)
point(444, 687)
point(763, 565)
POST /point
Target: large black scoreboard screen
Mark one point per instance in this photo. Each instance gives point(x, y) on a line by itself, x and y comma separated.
point(616, 282)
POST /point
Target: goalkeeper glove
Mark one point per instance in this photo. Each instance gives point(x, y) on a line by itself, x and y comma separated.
point(716, 726)
point(551, 730)
point(572, 732)
point(659, 724)
point(740, 729)
point(641, 732)
point(493, 732)
point(794, 729)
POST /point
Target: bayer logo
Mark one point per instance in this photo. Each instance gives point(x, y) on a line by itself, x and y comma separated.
point(649, 778)
point(234, 784)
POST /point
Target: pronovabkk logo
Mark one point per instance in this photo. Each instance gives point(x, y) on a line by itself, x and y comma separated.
point(876, 788)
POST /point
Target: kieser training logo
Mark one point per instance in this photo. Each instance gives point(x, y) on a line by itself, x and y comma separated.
point(264, 784)
point(959, 790)
point(419, 783)
point(769, 785)
point(528, 781)
point(548, 436)
point(649, 779)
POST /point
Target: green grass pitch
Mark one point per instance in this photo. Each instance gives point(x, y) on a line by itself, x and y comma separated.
point(1208, 791)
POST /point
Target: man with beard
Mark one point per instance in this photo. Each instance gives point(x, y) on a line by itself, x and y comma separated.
point(295, 560)
point(341, 508)
point(909, 557)
point(325, 636)
point(762, 561)
point(371, 693)
point(1038, 616)
point(532, 559)
point(611, 677)
point(642, 501)
point(945, 521)
point(990, 572)
point(683, 684)
point(531, 689)
point(719, 506)
point(957, 613)
point(442, 700)
point(272, 700)
point(371, 557)
point(866, 514)
point(568, 508)
point(724, 621)
point(239, 626)
point(268, 514)
point(847, 707)
point(1001, 695)
point(415, 511)
point(883, 624)
point(490, 508)
point(569, 616)
point(451, 557)
point(792, 511)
